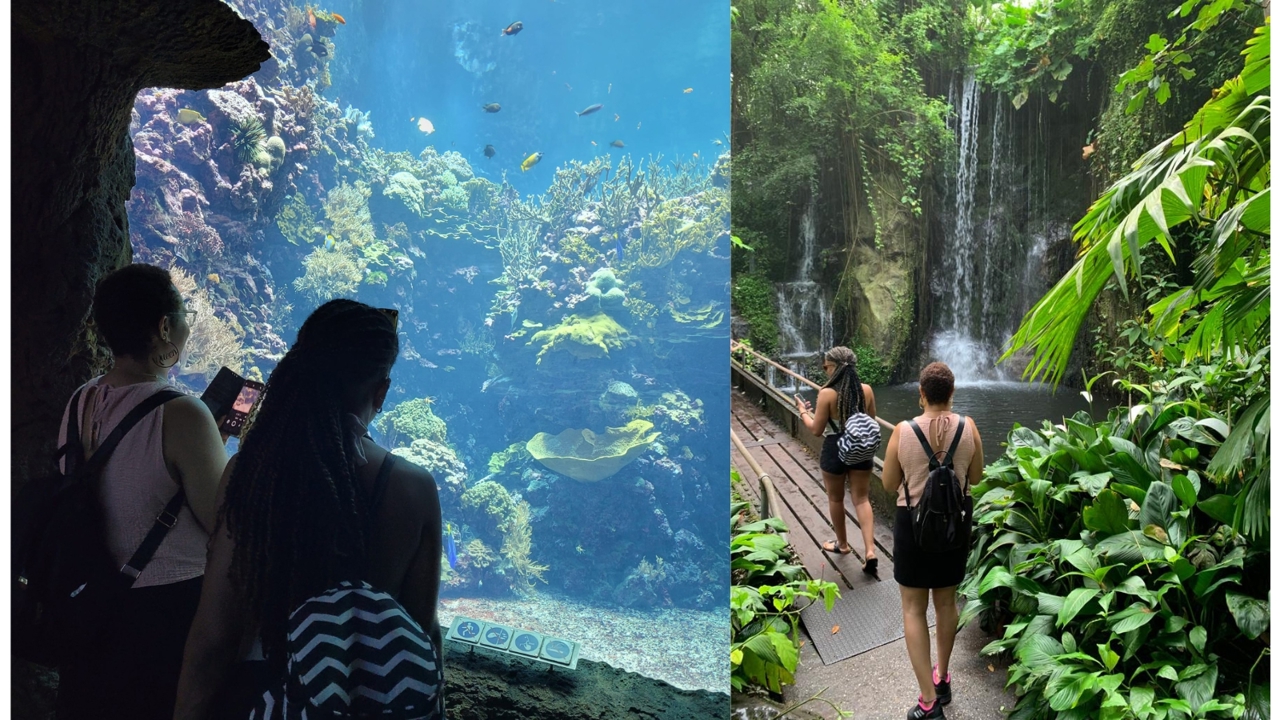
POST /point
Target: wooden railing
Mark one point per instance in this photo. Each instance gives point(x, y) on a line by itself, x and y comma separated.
point(768, 495)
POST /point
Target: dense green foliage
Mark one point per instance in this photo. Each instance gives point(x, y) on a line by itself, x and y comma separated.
point(766, 585)
point(754, 300)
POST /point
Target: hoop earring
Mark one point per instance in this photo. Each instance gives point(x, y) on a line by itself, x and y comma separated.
point(173, 354)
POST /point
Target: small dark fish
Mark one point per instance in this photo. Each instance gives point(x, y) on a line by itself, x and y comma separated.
point(489, 151)
point(491, 107)
point(593, 108)
point(617, 144)
point(319, 49)
point(513, 28)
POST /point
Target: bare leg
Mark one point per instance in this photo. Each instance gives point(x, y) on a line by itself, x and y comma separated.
point(915, 620)
point(944, 608)
point(860, 489)
point(835, 507)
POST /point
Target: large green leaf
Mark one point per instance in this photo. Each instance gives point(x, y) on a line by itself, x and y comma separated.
point(1199, 689)
point(1107, 515)
point(1132, 618)
point(1074, 603)
point(1251, 614)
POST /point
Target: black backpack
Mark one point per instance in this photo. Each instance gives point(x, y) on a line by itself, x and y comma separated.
point(65, 582)
point(943, 519)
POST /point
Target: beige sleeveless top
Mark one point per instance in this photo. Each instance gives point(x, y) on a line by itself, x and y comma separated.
point(136, 486)
point(914, 460)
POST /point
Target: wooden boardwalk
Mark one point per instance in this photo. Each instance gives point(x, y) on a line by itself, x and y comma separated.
point(803, 499)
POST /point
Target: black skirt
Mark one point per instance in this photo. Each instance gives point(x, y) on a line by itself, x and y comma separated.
point(915, 568)
point(134, 674)
point(830, 461)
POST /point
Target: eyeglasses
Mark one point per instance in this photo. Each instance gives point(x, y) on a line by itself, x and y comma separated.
point(185, 311)
point(393, 315)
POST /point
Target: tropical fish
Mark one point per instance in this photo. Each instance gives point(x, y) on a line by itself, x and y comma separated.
point(593, 108)
point(311, 18)
point(530, 161)
point(451, 546)
point(532, 324)
point(187, 116)
point(330, 242)
point(318, 48)
point(513, 28)
point(425, 126)
point(695, 156)
point(341, 20)
point(610, 90)
point(717, 142)
point(688, 90)
point(616, 117)
point(617, 144)
point(489, 151)
point(491, 107)
point(214, 278)
point(593, 143)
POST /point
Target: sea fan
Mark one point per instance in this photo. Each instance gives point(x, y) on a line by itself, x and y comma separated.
point(249, 139)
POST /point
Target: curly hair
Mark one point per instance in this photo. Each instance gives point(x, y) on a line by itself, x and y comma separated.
point(937, 382)
point(294, 505)
point(845, 382)
point(128, 305)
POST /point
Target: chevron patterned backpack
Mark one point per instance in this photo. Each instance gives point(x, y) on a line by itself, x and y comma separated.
point(859, 440)
point(354, 652)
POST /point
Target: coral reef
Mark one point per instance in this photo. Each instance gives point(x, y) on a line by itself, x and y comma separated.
point(488, 508)
point(517, 549)
point(407, 189)
point(214, 341)
point(329, 274)
point(589, 337)
point(443, 464)
point(409, 421)
point(499, 461)
point(249, 139)
point(604, 286)
point(584, 455)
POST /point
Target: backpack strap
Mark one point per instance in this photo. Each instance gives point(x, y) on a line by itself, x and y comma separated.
point(380, 482)
point(161, 527)
point(73, 437)
point(108, 446)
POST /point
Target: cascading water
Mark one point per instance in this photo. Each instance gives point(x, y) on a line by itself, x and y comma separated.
point(988, 271)
point(802, 308)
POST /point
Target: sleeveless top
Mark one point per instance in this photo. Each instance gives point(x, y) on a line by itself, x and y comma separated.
point(915, 464)
point(837, 428)
point(136, 485)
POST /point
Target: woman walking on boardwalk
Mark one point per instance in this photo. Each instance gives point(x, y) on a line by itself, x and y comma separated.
point(843, 395)
point(918, 572)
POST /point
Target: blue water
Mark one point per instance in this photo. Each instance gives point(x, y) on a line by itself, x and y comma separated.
point(485, 259)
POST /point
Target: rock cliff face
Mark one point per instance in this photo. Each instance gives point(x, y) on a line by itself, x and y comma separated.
point(78, 65)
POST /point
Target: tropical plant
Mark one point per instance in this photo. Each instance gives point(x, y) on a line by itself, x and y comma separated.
point(766, 585)
point(1029, 46)
point(1115, 571)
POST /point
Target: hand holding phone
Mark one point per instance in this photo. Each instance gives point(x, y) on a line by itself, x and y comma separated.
point(231, 398)
point(233, 423)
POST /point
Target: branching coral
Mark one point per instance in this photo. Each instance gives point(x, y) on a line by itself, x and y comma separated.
point(329, 273)
point(192, 236)
point(589, 337)
point(347, 209)
point(214, 342)
point(684, 224)
point(296, 221)
point(517, 549)
point(518, 245)
point(406, 188)
point(479, 554)
point(411, 420)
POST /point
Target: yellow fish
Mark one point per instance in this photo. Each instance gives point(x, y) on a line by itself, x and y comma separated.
point(688, 90)
point(530, 161)
point(187, 116)
point(213, 277)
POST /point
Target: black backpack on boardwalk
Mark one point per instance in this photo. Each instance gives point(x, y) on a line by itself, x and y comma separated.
point(943, 519)
point(65, 583)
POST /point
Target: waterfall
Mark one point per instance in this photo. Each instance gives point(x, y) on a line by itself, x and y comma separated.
point(802, 308)
point(962, 249)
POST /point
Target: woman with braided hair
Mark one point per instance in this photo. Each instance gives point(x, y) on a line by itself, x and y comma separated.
point(843, 395)
point(309, 501)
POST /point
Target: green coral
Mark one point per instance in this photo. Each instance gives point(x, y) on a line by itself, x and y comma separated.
point(499, 461)
point(584, 455)
point(296, 221)
point(406, 188)
point(517, 550)
point(489, 507)
point(276, 151)
point(454, 197)
point(347, 209)
point(686, 224)
point(409, 421)
point(590, 337)
point(329, 274)
point(681, 408)
point(705, 317)
point(604, 286)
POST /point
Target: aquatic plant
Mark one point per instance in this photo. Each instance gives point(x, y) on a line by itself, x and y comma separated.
point(214, 341)
point(329, 274)
point(590, 337)
point(584, 455)
point(517, 549)
point(475, 340)
point(409, 421)
point(296, 221)
point(489, 507)
point(249, 138)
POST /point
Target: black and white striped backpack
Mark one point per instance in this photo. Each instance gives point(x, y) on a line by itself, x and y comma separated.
point(859, 440)
point(355, 652)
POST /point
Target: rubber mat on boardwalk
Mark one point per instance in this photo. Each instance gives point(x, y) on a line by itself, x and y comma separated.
point(868, 616)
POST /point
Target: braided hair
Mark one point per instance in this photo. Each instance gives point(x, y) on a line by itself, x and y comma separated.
point(845, 382)
point(294, 505)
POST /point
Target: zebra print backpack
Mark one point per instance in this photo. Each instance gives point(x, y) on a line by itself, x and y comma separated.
point(859, 440)
point(354, 652)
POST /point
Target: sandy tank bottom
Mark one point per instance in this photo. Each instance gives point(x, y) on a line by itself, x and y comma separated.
point(687, 648)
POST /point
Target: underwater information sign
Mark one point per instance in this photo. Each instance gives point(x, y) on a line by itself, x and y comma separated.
point(514, 641)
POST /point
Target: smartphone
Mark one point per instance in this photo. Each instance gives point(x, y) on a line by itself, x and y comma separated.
point(233, 423)
point(222, 392)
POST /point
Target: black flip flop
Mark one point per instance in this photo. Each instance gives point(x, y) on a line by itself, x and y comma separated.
point(835, 547)
point(869, 567)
